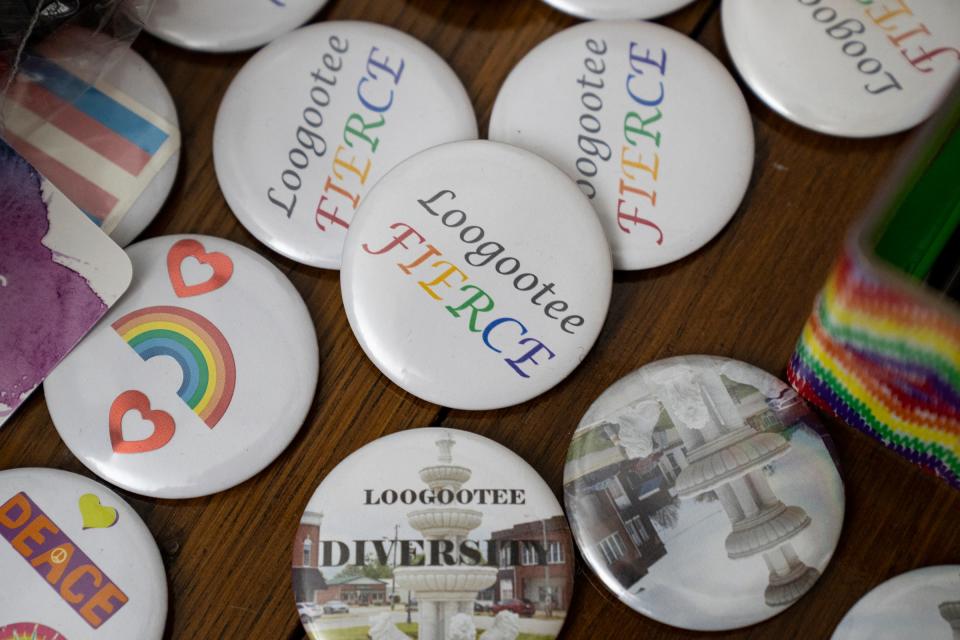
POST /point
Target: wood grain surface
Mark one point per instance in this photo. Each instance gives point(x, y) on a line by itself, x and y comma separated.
point(745, 295)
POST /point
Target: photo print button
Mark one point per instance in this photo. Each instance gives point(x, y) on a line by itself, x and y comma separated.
point(227, 25)
point(76, 560)
point(649, 124)
point(476, 275)
point(704, 493)
point(435, 533)
point(923, 603)
point(855, 69)
point(110, 143)
point(313, 121)
point(617, 9)
point(196, 379)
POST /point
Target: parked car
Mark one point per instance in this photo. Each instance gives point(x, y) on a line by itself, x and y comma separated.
point(412, 605)
point(309, 609)
point(482, 606)
point(335, 606)
point(521, 607)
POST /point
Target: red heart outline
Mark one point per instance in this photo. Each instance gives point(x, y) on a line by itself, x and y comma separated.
point(183, 249)
point(163, 424)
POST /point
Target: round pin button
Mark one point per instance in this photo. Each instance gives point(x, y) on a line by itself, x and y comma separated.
point(433, 532)
point(109, 142)
point(701, 491)
point(227, 25)
point(923, 603)
point(846, 69)
point(476, 275)
point(76, 560)
point(196, 379)
point(314, 120)
point(631, 112)
point(617, 9)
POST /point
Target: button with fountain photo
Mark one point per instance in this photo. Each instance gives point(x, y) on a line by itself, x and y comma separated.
point(924, 603)
point(703, 492)
point(436, 534)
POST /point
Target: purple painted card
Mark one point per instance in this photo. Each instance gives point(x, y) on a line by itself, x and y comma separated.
point(59, 274)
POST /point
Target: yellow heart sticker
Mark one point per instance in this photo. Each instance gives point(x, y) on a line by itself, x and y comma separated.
point(95, 515)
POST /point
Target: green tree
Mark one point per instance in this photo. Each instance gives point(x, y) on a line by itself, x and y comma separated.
point(668, 516)
point(370, 569)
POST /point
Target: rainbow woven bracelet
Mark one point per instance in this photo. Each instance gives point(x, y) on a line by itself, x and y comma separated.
point(878, 356)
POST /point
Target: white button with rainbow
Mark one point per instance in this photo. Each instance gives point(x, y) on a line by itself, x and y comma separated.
point(197, 379)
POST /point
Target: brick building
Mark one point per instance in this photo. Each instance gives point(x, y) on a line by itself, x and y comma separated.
point(307, 578)
point(355, 590)
point(523, 575)
point(613, 506)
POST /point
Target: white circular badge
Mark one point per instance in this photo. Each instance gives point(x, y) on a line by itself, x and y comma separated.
point(476, 275)
point(109, 141)
point(436, 533)
point(313, 121)
point(197, 379)
point(617, 9)
point(649, 124)
point(854, 69)
point(702, 492)
point(227, 25)
point(924, 603)
point(76, 560)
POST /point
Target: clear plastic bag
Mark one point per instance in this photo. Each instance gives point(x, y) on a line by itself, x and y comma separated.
point(85, 36)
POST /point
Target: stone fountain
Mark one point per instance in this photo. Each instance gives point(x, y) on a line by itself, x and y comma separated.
point(725, 455)
point(950, 611)
point(444, 591)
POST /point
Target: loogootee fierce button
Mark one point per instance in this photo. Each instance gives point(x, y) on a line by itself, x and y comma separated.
point(313, 121)
point(464, 536)
point(647, 122)
point(227, 25)
point(847, 68)
point(76, 561)
point(701, 491)
point(196, 379)
point(617, 9)
point(476, 275)
point(923, 603)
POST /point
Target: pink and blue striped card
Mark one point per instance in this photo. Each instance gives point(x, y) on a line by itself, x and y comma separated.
point(96, 143)
point(59, 274)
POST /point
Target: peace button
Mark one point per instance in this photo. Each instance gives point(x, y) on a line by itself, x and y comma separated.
point(76, 560)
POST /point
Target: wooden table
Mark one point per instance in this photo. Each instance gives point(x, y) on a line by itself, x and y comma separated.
point(745, 295)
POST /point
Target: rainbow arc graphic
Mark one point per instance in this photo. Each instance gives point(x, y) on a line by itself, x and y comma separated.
point(198, 347)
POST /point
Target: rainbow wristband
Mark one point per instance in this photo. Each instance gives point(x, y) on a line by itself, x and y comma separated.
point(883, 362)
point(881, 350)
